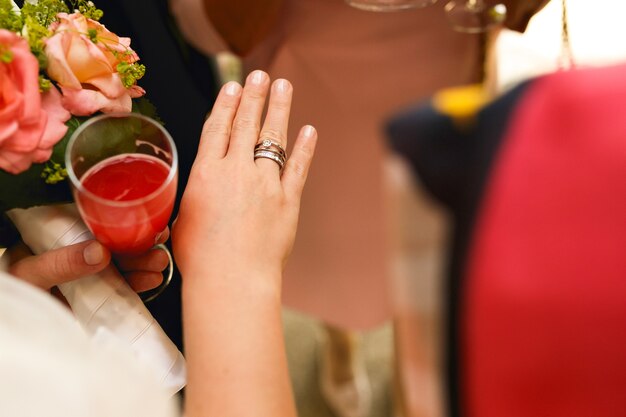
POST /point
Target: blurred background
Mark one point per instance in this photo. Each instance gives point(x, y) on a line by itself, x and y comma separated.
point(596, 35)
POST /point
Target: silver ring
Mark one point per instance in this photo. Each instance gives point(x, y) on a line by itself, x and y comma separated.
point(279, 159)
point(270, 145)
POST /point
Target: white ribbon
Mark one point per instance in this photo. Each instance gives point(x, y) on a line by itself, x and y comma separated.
point(103, 304)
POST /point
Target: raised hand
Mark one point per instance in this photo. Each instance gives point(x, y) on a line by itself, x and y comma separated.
point(234, 205)
point(235, 229)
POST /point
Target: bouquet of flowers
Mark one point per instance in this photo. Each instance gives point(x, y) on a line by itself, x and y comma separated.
point(58, 67)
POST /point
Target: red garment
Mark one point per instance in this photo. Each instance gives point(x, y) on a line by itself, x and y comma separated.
point(536, 290)
point(544, 316)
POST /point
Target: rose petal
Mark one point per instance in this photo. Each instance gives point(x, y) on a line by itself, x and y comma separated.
point(109, 84)
point(135, 91)
point(14, 162)
point(87, 60)
point(25, 69)
point(41, 155)
point(26, 138)
point(86, 102)
point(58, 67)
point(7, 130)
point(57, 116)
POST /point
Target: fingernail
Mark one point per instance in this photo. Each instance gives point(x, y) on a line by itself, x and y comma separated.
point(232, 88)
point(282, 86)
point(257, 77)
point(308, 131)
point(93, 254)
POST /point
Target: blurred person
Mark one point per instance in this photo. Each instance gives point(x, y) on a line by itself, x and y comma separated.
point(533, 182)
point(351, 69)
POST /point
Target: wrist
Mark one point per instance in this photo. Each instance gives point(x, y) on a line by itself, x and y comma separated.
point(240, 278)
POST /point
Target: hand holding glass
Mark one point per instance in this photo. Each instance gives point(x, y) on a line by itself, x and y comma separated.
point(124, 170)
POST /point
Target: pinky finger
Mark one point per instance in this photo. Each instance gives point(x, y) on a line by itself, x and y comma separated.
point(297, 167)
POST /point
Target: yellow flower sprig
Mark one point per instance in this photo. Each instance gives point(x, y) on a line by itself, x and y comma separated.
point(89, 10)
point(130, 73)
point(53, 173)
point(9, 18)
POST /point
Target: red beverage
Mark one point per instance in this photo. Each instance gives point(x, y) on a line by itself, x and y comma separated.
point(129, 201)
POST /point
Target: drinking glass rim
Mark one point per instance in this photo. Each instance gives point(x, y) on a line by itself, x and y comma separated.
point(173, 169)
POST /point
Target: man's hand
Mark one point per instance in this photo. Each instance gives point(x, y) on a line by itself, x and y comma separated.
point(83, 259)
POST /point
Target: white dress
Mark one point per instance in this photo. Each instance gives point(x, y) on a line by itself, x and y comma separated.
point(50, 367)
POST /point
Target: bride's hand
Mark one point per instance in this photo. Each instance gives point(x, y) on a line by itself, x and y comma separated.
point(238, 212)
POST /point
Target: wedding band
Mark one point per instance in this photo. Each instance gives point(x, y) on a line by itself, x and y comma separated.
point(279, 159)
point(270, 145)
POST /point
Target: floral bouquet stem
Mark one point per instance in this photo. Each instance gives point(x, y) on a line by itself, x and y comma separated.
point(103, 303)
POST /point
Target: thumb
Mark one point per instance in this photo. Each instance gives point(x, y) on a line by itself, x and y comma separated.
point(62, 265)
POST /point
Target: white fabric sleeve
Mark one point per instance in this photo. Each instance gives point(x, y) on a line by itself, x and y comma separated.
point(51, 367)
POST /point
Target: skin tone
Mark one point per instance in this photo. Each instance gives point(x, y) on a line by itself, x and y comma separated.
point(243, 24)
point(239, 216)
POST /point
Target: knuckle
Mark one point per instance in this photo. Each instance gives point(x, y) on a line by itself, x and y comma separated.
point(274, 192)
point(216, 128)
point(256, 94)
point(275, 135)
point(269, 188)
point(246, 123)
point(62, 265)
point(298, 167)
point(281, 103)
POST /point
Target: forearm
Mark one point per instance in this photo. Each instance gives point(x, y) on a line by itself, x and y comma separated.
point(235, 228)
point(243, 24)
point(234, 344)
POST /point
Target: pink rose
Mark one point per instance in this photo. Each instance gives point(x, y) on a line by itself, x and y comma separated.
point(82, 58)
point(31, 123)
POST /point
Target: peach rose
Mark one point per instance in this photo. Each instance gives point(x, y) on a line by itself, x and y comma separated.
point(83, 58)
point(31, 123)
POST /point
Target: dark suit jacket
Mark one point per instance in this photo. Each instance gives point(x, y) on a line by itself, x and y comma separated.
point(181, 83)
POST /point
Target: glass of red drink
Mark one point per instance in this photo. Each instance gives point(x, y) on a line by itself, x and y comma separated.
point(124, 171)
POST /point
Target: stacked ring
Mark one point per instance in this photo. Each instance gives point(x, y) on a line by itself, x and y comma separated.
point(271, 150)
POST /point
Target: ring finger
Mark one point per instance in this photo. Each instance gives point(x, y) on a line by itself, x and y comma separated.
point(276, 122)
